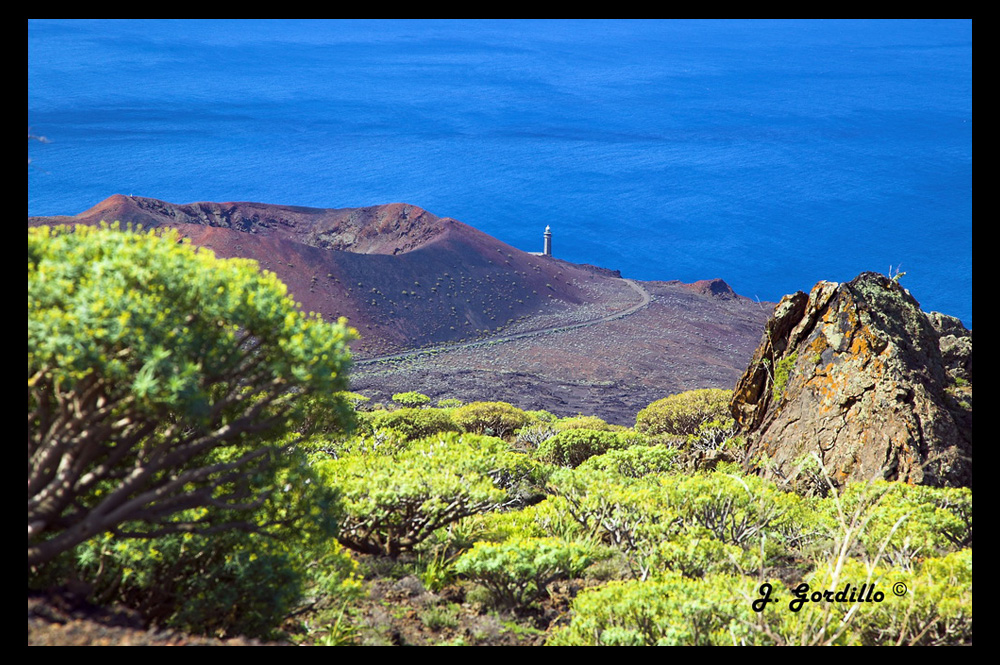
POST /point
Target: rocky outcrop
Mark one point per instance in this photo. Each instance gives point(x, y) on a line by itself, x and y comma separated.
point(857, 374)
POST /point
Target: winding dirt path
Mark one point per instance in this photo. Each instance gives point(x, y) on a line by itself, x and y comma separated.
point(645, 299)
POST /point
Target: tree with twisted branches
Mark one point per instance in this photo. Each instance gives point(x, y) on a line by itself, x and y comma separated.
point(163, 380)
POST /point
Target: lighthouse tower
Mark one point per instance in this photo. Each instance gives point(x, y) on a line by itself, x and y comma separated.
point(547, 246)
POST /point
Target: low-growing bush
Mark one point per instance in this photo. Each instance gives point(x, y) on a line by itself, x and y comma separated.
point(683, 414)
point(670, 611)
point(411, 423)
point(936, 610)
point(394, 502)
point(542, 416)
point(497, 527)
point(411, 399)
point(630, 515)
point(229, 582)
point(516, 572)
point(491, 418)
point(585, 422)
point(636, 461)
point(357, 401)
point(636, 515)
point(572, 447)
point(906, 523)
point(714, 435)
point(379, 442)
point(696, 552)
point(930, 605)
point(738, 511)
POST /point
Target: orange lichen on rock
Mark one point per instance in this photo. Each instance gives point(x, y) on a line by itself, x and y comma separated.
point(867, 389)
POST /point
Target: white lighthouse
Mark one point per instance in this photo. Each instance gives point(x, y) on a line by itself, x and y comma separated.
point(547, 246)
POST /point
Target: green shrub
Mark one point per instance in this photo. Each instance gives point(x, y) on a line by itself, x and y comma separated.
point(161, 379)
point(782, 371)
point(395, 501)
point(532, 436)
point(230, 582)
point(683, 414)
point(671, 611)
point(930, 605)
point(637, 515)
point(630, 515)
point(357, 401)
point(516, 572)
point(542, 416)
point(411, 399)
point(739, 511)
point(635, 461)
point(497, 527)
point(411, 423)
point(715, 435)
point(906, 523)
point(378, 442)
point(227, 584)
point(696, 552)
point(937, 609)
point(491, 418)
point(574, 446)
point(585, 422)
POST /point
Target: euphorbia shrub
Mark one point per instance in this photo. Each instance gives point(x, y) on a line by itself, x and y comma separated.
point(162, 379)
point(516, 572)
point(397, 500)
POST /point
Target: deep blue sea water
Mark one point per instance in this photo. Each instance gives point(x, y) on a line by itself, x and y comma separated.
point(772, 154)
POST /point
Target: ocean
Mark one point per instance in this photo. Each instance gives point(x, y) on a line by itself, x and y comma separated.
point(772, 154)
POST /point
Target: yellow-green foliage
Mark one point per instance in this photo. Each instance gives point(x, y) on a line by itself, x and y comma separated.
point(635, 461)
point(737, 510)
point(572, 447)
point(585, 422)
point(782, 371)
point(937, 608)
point(228, 583)
point(630, 515)
point(542, 416)
point(672, 610)
point(683, 414)
point(497, 527)
point(687, 536)
point(411, 423)
point(411, 399)
point(712, 522)
point(696, 552)
point(517, 571)
point(491, 418)
point(395, 501)
point(357, 401)
point(907, 522)
point(929, 605)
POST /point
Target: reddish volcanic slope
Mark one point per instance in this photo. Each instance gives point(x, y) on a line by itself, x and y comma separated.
point(402, 276)
point(407, 279)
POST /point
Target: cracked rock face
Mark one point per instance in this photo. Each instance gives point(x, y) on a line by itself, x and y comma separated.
point(858, 376)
